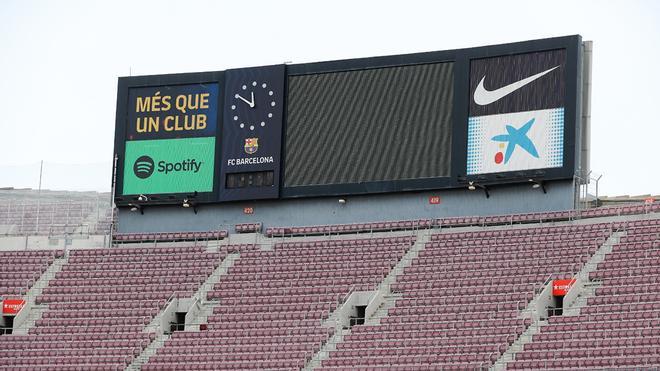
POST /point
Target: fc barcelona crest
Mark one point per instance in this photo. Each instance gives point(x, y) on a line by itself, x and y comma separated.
point(251, 145)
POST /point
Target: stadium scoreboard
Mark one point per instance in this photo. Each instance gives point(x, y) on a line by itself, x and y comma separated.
point(436, 120)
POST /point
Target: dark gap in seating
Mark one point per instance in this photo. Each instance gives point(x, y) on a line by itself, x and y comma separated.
point(180, 324)
point(359, 318)
point(7, 325)
point(558, 308)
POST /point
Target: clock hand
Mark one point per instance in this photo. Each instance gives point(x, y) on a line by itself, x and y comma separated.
point(252, 99)
point(251, 104)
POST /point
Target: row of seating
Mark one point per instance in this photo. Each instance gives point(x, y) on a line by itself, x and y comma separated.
point(349, 228)
point(541, 217)
point(168, 236)
point(463, 221)
point(248, 228)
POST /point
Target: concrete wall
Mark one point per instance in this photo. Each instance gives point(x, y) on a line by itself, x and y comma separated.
point(52, 243)
point(314, 211)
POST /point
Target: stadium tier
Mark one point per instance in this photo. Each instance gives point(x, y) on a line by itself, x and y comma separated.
point(620, 324)
point(465, 297)
point(51, 213)
point(274, 303)
point(100, 302)
point(461, 297)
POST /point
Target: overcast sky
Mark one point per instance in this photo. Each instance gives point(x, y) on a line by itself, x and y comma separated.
point(59, 63)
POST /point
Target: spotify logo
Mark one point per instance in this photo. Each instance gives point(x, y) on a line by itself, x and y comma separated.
point(143, 167)
point(165, 166)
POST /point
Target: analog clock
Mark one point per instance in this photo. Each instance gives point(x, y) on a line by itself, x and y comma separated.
point(253, 106)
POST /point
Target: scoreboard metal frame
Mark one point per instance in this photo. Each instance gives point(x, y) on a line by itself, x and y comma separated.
point(458, 178)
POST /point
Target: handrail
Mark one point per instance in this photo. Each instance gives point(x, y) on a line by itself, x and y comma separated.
point(350, 291)
point(169, 300)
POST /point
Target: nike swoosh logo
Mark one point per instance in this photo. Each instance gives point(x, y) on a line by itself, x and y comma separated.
point(483, 97)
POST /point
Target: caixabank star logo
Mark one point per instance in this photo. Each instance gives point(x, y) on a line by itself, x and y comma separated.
point(515, 138)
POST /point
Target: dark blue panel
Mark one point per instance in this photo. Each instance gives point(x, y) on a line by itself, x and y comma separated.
point(252, 133)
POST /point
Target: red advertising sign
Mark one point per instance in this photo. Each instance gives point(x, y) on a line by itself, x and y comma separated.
point(248, 210)
point(561, 287)
point(434, 200)
point(11, 307)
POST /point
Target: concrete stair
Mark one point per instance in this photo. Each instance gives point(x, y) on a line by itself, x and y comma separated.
point(423, 237)
point(534, 311)
point(200, 295)
point(148, 352)
point(155, 325)
point(206, 306)
point(382, 311)
point(588, 291)
point(33, 312)
point(329, 346)
point(204, 313)
point(518, 345)
point(584, 288)
point(384, 294)
point(214, 277)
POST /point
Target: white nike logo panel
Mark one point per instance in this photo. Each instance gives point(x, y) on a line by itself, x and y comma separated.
point(483, 97)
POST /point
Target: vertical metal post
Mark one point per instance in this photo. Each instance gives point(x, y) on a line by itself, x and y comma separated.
point(577, 191)
point(41, 169)
point(586, 191)
point(112, 199)
point(597, 180)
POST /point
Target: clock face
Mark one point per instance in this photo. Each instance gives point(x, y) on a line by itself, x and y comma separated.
point(253, 106)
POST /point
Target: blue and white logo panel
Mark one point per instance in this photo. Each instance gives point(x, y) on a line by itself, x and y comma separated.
point(515, 141)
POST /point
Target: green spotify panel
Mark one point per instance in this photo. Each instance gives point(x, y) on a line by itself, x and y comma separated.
point(169, 166)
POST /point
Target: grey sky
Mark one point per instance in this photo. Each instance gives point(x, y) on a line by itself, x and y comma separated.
point(59, 63)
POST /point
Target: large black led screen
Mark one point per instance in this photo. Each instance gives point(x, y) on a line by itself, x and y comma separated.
point(371, 125)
